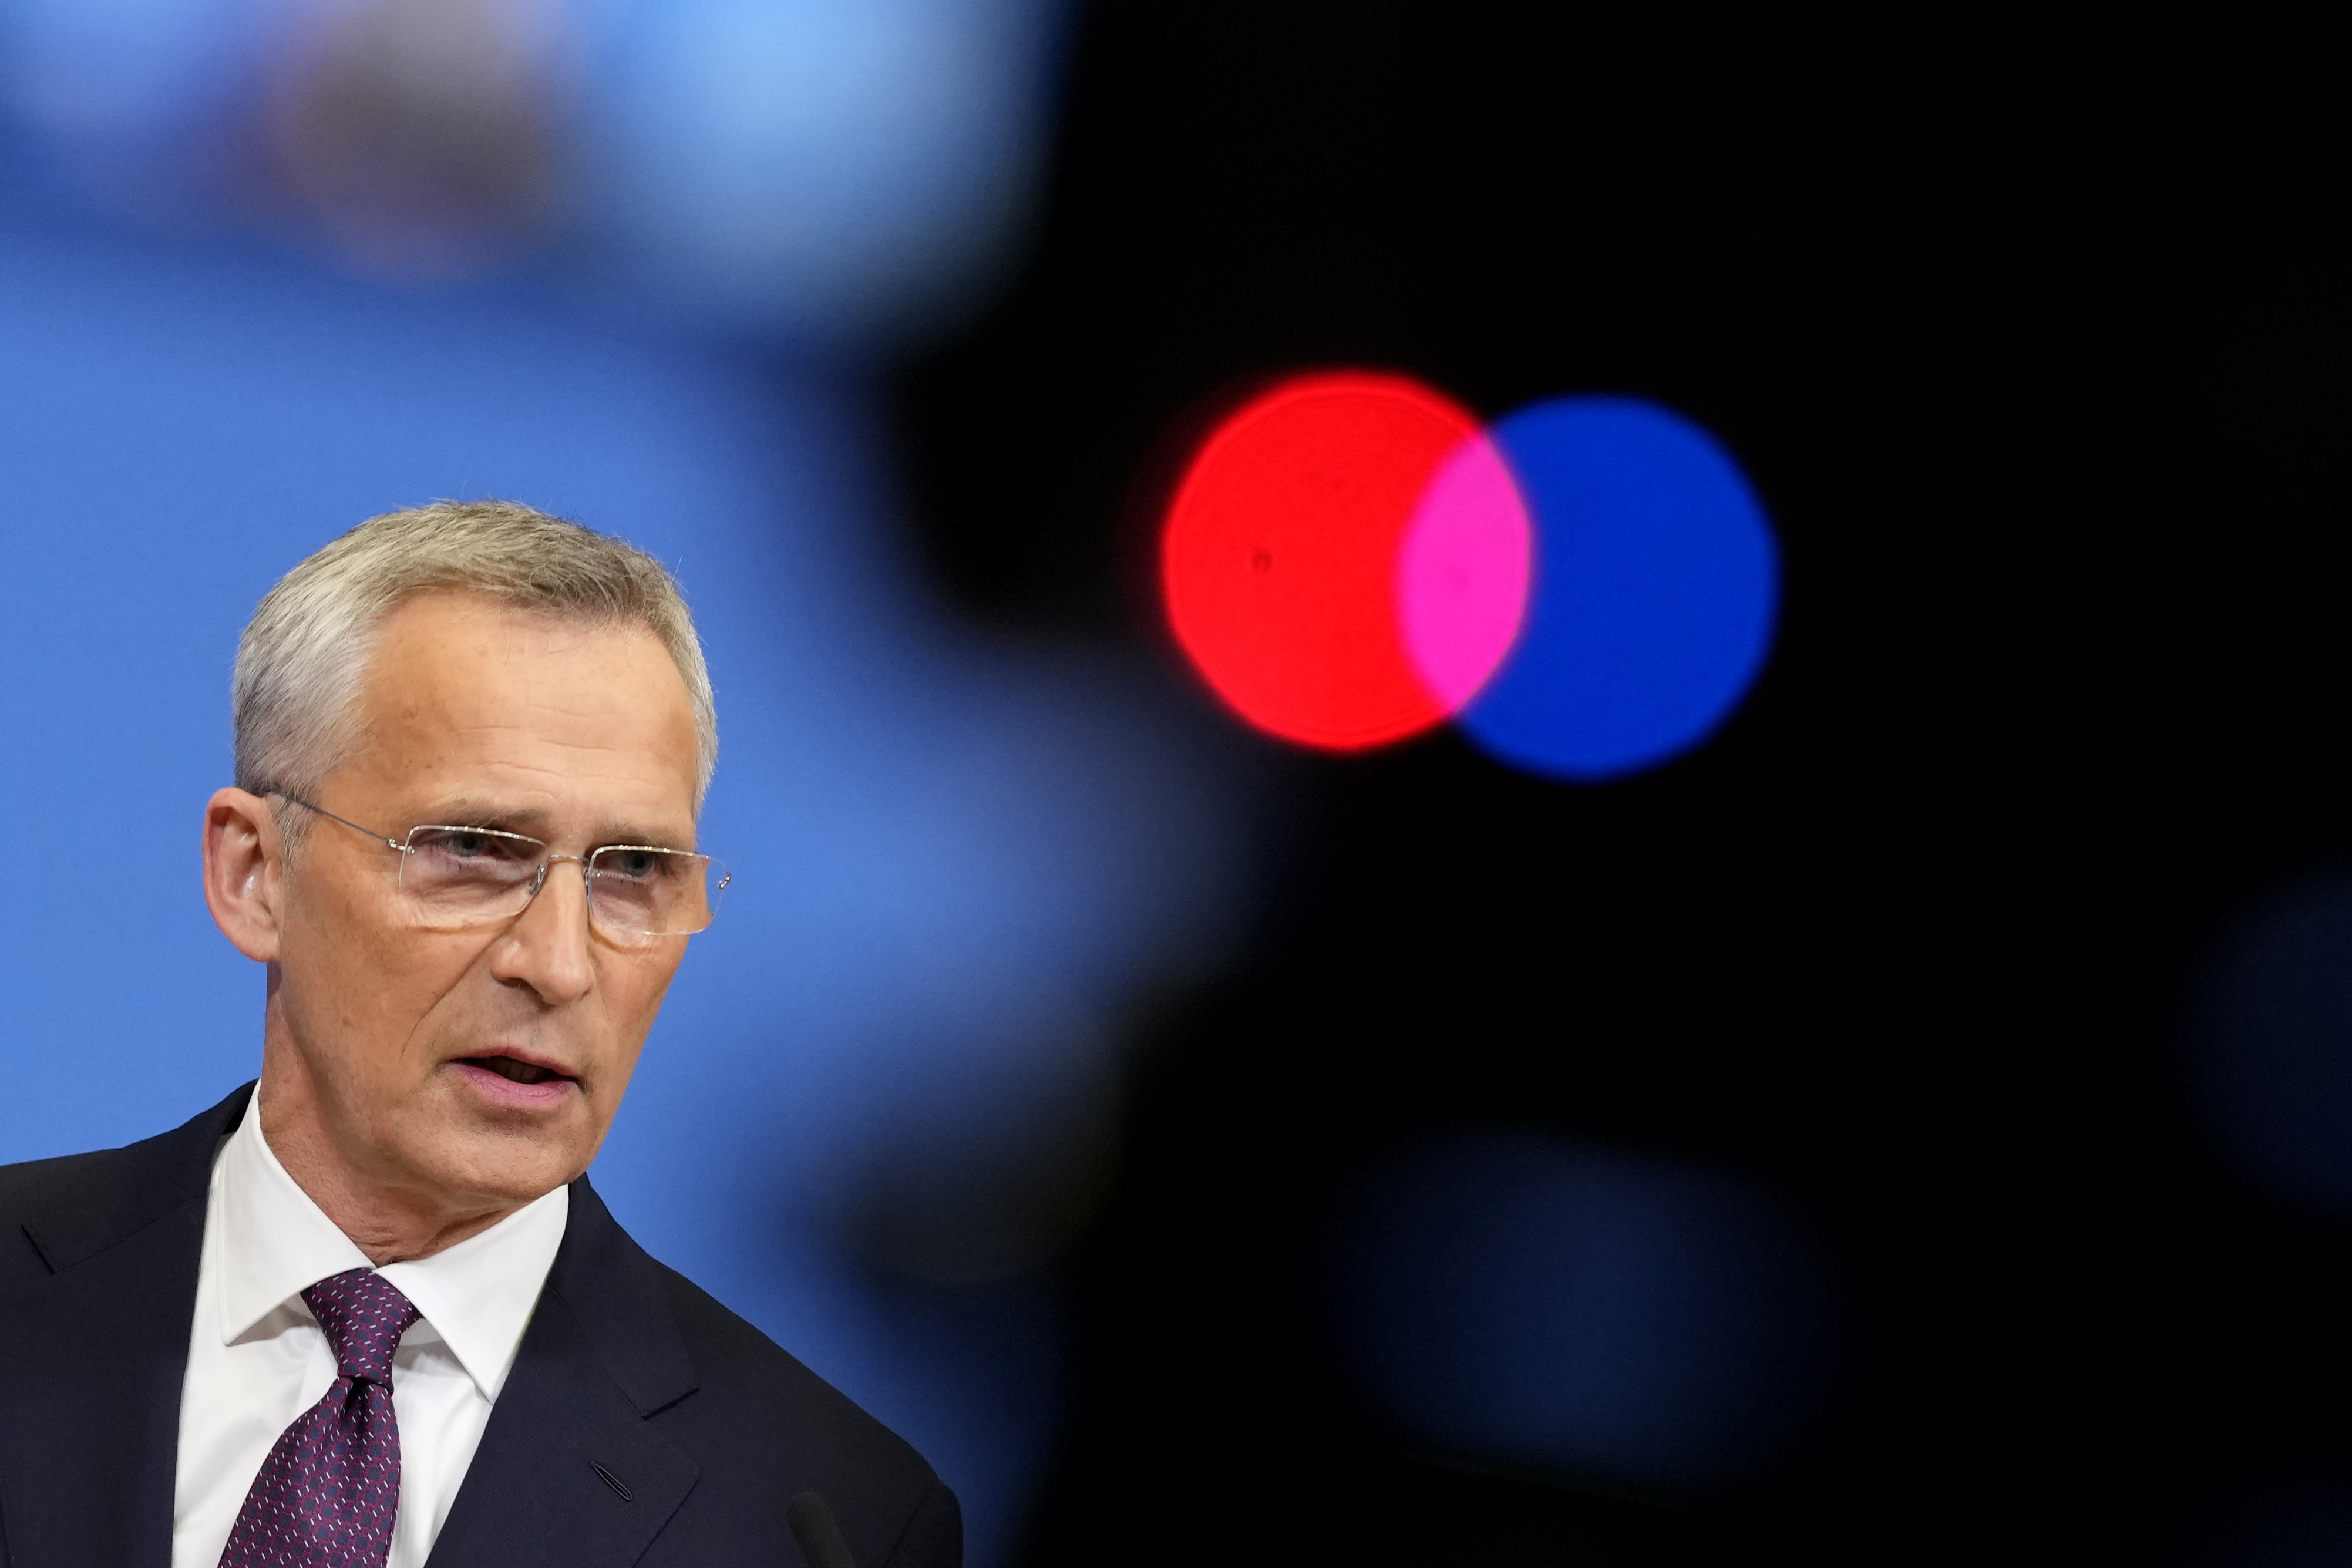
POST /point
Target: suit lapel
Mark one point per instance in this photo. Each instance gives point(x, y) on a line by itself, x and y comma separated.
point(90, 1425)
point(90, 1418)
point(570, 1471)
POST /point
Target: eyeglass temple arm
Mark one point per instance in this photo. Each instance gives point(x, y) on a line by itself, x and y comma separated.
point(385, 840)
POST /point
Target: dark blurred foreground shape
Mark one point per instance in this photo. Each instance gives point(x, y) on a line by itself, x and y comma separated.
point(2032, 335)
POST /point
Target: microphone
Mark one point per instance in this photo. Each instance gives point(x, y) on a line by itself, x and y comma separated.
point(820, 1537)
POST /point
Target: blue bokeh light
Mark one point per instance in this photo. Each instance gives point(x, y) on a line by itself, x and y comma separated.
point(2294, 1516)
point(2268, 1065)
point(1654, 588)
point(1515, 1299)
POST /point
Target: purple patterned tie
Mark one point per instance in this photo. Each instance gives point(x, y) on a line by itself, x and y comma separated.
point(327, 1493)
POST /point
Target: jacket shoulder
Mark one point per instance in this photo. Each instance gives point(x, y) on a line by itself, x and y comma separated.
point(25, 1191)
point(25, 1178)
point(57, 1211)
point(755, 1401)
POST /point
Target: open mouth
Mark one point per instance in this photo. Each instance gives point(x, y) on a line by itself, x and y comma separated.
point(515, 1071)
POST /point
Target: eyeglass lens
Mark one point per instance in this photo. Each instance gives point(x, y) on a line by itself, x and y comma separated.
point(479, 873)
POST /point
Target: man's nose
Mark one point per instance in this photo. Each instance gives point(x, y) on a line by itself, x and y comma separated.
point(546, 949)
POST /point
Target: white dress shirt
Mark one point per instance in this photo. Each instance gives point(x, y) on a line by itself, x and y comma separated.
point(257, 1359)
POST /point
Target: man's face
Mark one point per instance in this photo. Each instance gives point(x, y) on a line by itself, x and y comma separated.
point(410, 1038)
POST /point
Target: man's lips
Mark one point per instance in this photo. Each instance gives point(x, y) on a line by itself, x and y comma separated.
point(515, 1069)
point(513, 1080)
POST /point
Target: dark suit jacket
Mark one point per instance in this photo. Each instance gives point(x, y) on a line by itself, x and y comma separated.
point(705, 1424)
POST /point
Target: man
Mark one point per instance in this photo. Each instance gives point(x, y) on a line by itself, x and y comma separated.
point(371, 1311)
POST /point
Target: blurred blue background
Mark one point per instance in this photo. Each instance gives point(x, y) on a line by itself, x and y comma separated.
point(268, 269)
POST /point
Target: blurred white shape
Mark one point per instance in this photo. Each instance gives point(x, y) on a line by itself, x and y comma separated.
point(830, 173)
point(823, 169)
point(420, 133)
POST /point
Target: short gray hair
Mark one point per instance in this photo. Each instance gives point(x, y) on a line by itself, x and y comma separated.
point(299, 662)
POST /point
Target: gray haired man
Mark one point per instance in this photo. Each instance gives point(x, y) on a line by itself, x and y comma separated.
point(370, 1310)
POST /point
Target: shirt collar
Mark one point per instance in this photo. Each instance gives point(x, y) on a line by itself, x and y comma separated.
point(478, 1295)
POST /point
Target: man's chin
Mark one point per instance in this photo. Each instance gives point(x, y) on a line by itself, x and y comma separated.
point(504, 1141)
point(482, 1173)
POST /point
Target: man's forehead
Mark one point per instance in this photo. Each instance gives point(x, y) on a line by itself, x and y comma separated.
point(463, 649)
point(460, 706)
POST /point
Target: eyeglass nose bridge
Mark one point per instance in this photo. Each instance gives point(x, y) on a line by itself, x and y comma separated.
point(595, 918)
point(546, 864)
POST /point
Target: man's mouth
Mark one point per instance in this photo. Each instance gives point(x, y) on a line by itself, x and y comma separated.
point(508, 1067)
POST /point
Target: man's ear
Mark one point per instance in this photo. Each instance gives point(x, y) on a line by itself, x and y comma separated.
point(245, 871)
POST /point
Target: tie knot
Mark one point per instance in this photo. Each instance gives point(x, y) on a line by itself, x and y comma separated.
point(364, 1315)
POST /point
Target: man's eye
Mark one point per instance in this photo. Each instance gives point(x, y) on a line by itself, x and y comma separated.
point(465, 843)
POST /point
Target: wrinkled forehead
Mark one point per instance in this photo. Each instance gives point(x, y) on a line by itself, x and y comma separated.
point(464, 697)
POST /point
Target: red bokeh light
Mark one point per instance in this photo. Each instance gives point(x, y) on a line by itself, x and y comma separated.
point(1279, 557)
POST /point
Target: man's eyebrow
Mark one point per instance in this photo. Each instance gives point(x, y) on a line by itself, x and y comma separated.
point(644, 839)
point(476, 812)
point(468, 811)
